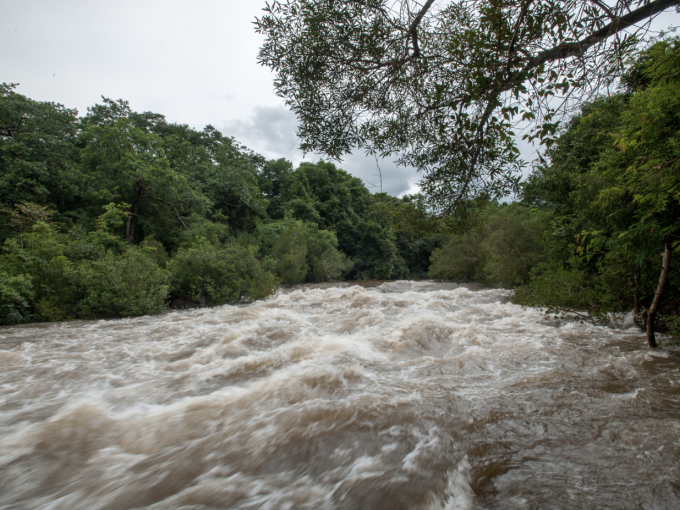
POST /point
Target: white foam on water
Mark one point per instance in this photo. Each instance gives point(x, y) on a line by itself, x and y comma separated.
point(405, 395)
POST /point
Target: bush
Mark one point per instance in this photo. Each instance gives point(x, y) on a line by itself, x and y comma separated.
point(219, 274)
point(512, 245)
point(570, 290)
point(126, 285)
point(40, 255)
point(331, 265)
point(61, 277)
point(500, 248)
point(298, 251)
point(461, 259)
point(290, 253)
point(15, 295)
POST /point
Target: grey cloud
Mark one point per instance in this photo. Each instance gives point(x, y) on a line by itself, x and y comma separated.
point(396, 180)
point(270, 131)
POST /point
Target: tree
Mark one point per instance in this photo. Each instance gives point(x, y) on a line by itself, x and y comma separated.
point(613, 186)
point(442, 86)
point(37, 155)
point(299, 251)
point(225, 172)
point(327, 195)
point(500, 246)
point(125, 161)
point(644, 166)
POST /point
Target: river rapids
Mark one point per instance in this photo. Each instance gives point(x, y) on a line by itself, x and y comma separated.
point(403, 395)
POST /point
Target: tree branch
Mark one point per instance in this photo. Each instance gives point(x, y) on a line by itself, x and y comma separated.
point(511, 48)
point(479, 134)
point(606, 9)
point(414, 26)
point(171, 204)
point(578, 48)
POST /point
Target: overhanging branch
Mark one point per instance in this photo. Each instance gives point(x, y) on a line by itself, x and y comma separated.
point(413, 29)
point(577, 49)
point(511, 48)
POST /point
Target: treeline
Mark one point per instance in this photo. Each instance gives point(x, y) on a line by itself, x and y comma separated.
point(121, 213)
point(599, 218)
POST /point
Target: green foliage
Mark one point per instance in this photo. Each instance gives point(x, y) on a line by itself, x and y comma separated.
point(122, 211)
point(513, 245)
point(117, 212)
point(299, 251)
point(123, 158)
point(38, 157)
point(41, 257)
point(109, 227)
point(290, 253)
point(326, 263)
point(613, 185)
point(220, 169)
point(122, 285)
point(441, 85)
point(559, 290)
point(219, 273)
point(15, 296)
point(500, 247)
point(68, 276)
point(226, 223)
point(155, 250)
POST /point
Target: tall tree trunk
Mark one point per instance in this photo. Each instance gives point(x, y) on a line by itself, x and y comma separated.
point(636, 296)
point(132, 217)
point(130, 227)
point(651, 315)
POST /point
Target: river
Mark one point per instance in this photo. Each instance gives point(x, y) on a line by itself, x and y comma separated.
point(403, 395)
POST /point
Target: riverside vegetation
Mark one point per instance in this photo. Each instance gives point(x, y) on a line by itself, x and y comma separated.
point(118, 213)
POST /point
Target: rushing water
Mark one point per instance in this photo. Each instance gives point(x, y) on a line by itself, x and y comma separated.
point(408, 395)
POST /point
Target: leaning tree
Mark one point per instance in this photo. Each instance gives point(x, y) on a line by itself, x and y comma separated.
point(441, 85)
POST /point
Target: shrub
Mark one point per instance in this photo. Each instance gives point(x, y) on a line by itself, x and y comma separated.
point(500, 248)
point(512, 245)
point(290, 253)
point(15, 295)
point(461, 259)
point(219, 274)
point(127, 285)
point(298, 251)
point(331, 265)
point(40, 255)
point(559, 289)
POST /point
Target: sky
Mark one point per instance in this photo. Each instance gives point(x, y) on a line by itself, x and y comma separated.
point(193, 61)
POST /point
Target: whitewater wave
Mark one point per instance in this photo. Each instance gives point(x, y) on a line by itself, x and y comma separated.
point(413, 395)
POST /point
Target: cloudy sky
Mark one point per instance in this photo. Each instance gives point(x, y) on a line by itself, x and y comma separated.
point(193, 61)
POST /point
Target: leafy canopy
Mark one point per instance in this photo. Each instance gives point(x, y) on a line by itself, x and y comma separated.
point(441, 86)
point(613, 186)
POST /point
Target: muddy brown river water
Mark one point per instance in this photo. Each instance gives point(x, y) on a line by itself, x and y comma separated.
point(405, 395)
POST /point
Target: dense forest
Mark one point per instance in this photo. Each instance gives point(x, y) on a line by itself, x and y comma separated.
point(120, 213)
